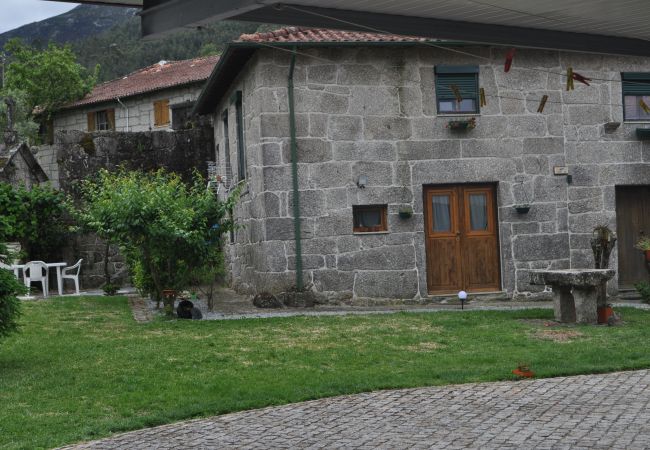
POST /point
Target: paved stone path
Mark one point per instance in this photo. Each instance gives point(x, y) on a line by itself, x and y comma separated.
point(140, 309)
point(583, 412)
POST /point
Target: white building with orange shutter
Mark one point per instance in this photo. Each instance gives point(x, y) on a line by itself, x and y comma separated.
point(158, 97)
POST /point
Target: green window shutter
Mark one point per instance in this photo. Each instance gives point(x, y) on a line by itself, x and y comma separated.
point(467, 84)
point(636, 83)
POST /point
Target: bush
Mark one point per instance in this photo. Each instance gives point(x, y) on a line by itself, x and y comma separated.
point(644, 291)
point(169, 231)
point(10, 287)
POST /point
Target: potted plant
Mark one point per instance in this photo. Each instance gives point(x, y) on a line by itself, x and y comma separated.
point(405, 211)
point(523, 371)
point(467, 124)
point(643, 244)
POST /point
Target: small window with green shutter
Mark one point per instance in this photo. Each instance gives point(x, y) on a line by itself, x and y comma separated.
point(464, 99)
point(636, 87)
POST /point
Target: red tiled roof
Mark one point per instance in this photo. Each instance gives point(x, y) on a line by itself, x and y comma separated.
point(153, 78)
point(308, 35)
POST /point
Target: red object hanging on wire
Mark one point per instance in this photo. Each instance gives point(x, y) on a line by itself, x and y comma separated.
point(509, 57)
point(584, 80)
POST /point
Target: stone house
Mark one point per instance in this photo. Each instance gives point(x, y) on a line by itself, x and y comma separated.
point(404, 183)
point(158, 97)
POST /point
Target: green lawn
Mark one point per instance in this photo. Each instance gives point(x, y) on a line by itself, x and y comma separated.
point(82, 368)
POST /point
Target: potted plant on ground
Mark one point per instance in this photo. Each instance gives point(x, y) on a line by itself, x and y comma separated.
point(643, 244)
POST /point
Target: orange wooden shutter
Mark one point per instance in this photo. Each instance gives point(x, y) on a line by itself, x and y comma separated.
point(161, 113)
point(110, 115)
point(91, 121)
point(164, 114)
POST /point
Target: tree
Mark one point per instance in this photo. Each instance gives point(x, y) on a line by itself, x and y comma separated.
point(24, 125)
point(35, 217)
point(49, 78)
point(166, 229)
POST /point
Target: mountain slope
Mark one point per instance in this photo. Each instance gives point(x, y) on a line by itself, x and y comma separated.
point(76, 24)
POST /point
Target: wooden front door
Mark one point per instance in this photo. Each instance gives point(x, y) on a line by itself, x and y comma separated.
point(461, 239)
point(632, 222)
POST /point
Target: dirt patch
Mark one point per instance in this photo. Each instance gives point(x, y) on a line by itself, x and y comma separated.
point(424, 347)
point(558, 335)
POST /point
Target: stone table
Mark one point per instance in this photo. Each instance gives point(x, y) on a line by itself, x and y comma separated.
point(575, 291)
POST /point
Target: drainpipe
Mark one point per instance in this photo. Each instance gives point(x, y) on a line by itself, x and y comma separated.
point(127, 112)
point(294, 175)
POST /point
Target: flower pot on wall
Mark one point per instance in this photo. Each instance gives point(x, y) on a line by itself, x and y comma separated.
point(523, 208)
point(405, 212)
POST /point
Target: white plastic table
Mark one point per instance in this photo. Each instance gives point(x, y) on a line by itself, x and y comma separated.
point(58, 265)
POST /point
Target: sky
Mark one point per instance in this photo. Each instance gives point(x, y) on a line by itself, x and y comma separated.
point(14, 13)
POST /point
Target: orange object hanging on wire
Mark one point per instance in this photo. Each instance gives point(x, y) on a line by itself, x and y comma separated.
point(454, 88)
point(569, 79)
point(483, 101)
point(542, 103)
point(584, 80)
point(644, 106)
point(509, 57)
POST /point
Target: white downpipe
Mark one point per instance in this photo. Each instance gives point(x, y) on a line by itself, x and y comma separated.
point(127, 112)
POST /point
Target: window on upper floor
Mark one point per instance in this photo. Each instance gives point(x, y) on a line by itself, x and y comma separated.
point(161, 113)
point(103, 120)
point(465, 79)
point(636, 87)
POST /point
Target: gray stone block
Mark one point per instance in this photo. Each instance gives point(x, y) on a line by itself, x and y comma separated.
point(543, 146)
point(541, 247)
point(393, 257)
point(587, 114)
point(309, 150)
point(410, 101)
point(608, 152)
point(549, 188)
point(282, 228)
point(322, 73)
point(333, 280)
point(358, 74)
point(336, 223)
point(345, 128)
point(330, 174)
point(309, 262)
point(439, 149)
point(526, 126)
point(318, 124)
point(374, 100)
point(586, 222)
point(309, 100)
point(271, 154)
point(277, 125)
point(384, 195)
point(363, 150)
point(499, 148)
point(312, 203)
point(388, 128)
point(386, 284)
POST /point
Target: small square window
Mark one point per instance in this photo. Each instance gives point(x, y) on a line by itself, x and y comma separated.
point(465, 79)
point(636, 87)
point(370, 218)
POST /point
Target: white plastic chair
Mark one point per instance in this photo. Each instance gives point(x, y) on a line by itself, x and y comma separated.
point(72, 273)
point(36, 271)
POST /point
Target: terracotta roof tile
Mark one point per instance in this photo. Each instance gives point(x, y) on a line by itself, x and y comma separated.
point(161, 75)
point(307, 35)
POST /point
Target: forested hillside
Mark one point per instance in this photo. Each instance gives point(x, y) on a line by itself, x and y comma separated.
point(110, 37)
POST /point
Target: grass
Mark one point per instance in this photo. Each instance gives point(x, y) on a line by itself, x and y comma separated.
point(82, 368)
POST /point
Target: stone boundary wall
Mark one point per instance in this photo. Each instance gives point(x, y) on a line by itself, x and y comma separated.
point(77, 155)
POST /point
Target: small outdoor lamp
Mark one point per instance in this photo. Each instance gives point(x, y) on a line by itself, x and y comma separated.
point(362, 181)
point(462, 296)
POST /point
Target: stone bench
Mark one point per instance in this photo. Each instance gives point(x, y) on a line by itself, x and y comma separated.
point(575, 292)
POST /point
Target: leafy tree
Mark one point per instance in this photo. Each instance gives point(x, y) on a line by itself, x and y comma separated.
point(36, 218)
point(49, 78)
point(26, 127)
point(166, 229)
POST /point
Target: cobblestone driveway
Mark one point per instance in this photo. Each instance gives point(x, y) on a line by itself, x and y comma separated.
point(595, 411)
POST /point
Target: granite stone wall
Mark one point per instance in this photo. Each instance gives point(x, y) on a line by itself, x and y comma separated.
point(372, 111)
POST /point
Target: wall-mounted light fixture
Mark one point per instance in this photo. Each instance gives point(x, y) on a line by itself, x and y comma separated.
point(362, 181)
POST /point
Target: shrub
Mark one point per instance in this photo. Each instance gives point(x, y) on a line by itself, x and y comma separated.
point(10, 287)
point(644, 291)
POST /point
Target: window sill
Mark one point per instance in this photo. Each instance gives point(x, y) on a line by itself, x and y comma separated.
point(451, 115)
point(362, 233)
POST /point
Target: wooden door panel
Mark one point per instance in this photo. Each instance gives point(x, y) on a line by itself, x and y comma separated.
point(479, 267)
point(632, 221)
point(443, 272)
point(462, 249)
